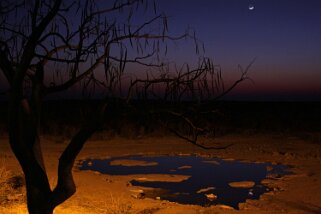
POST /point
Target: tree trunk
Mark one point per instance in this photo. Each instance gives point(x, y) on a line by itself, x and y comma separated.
point(38, 200)
point(25, 144)
point(24, 118)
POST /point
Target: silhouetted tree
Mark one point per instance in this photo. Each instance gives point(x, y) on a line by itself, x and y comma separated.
point(49, 46)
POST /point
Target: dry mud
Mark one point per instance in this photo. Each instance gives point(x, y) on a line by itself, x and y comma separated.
point(99, 193)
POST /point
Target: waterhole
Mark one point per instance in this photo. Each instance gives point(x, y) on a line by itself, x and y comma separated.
point(210, 180)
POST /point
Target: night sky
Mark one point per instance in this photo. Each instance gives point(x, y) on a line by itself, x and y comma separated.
point(284, 35)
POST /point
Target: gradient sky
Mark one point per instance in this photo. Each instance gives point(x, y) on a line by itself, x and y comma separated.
point(284, 35)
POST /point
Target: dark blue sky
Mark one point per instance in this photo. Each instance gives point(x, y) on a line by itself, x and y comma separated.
point(284, 35)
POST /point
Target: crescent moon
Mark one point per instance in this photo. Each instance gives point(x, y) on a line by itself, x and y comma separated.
point(251, 7)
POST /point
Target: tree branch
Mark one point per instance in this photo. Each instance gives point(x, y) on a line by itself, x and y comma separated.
point(6, 66)
point(65, 185)
point(31, 44)
point(237, 82)
point(194, 141)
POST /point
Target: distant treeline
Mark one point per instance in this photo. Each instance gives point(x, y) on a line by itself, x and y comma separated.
point(64, 117)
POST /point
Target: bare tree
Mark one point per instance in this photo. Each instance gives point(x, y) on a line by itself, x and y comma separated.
point(49, 46)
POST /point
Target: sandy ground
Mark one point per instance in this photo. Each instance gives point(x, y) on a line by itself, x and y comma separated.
point(98, 193)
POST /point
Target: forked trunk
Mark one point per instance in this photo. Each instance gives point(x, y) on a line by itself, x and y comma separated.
point(25, 144)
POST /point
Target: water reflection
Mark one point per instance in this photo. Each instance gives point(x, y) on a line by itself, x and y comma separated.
point(209, 181)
